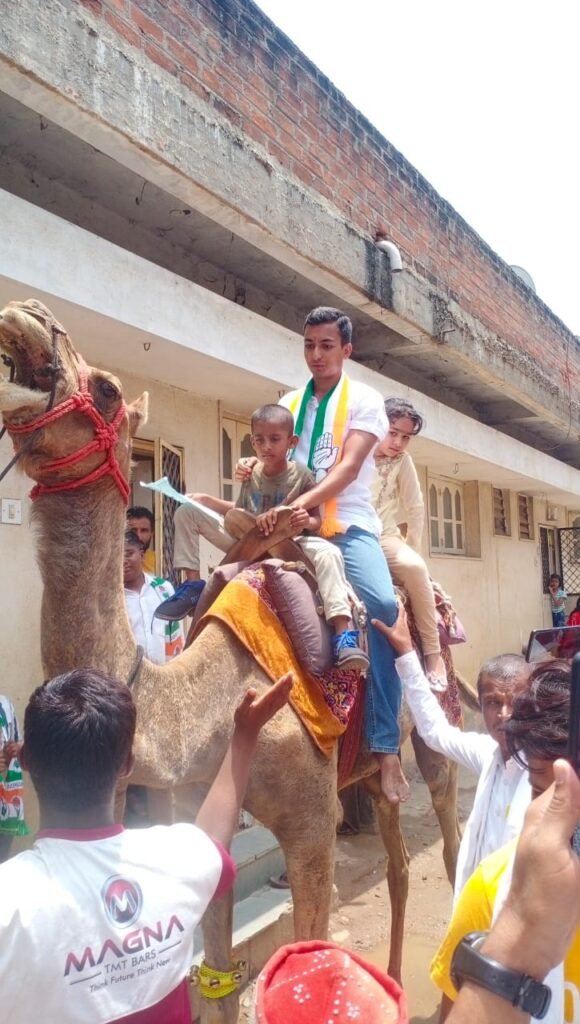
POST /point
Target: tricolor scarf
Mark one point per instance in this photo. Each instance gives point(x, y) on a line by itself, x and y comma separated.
point(172, 630)
point(327, 440)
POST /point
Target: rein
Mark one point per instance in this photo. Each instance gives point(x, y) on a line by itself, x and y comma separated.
point(105, 440)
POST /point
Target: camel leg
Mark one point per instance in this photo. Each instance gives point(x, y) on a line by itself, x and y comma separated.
point(160, 805)
point(120, 801)
point(397, 870)
point(440, 774)
point(310, 867)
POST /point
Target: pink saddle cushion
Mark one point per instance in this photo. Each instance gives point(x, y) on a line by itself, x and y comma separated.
point(214, 586)
point(295, 604)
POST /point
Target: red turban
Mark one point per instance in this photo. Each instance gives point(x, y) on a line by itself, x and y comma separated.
point(319, 983)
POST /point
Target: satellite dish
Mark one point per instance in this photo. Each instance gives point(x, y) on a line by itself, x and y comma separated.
point(524, 276)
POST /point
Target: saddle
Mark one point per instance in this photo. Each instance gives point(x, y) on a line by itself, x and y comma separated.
point(291, 583)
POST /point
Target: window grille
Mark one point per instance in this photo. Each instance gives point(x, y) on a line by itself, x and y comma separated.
point(501, 512)
point(526, 517)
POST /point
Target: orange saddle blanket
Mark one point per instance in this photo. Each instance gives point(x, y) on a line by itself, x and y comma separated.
point(323, 704)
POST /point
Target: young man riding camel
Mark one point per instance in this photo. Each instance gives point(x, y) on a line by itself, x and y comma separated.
point(339, 422)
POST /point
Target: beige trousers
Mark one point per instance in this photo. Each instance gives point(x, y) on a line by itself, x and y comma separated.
point(409, 570)
point(193, 521)
point(329, 569)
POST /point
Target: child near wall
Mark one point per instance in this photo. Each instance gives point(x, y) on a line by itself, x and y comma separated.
point(398, 499)
point(557, 600)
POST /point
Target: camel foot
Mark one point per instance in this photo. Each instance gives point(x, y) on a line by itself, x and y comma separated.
point(393, 782)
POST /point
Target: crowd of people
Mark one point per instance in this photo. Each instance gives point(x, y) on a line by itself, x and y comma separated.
point(105, 915)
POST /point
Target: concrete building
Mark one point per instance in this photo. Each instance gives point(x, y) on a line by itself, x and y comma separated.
point(180, 185)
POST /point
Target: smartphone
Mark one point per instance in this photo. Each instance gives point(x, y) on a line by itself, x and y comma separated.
point(574, 734)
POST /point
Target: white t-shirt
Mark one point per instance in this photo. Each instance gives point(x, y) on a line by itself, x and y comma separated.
point(97, 926)
point(366, 411)
point(151, 633)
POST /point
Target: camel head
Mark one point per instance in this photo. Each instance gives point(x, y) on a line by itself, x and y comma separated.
point(67, 420)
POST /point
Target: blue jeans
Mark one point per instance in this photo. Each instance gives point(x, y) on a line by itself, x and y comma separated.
point(368, 573)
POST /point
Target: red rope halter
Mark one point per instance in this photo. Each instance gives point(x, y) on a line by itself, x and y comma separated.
point(105, 440)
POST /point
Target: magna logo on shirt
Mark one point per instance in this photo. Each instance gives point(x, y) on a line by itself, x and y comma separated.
point(122, 900)
point(134, 944)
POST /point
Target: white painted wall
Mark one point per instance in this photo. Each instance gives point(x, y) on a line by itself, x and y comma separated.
point(498, 596)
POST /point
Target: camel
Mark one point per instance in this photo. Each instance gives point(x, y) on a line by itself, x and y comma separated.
point(78, 454)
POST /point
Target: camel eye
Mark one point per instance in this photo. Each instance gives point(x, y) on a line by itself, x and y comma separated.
point(108, 390)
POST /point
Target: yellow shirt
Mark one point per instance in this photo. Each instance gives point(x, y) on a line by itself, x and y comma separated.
point(474, 913)
point(149, 561)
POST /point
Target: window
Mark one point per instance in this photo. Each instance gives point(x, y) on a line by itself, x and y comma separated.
point(151, 460)
point(169, 463)
point(574, 523)
point(446, 517)
point(526, 517)
point(235, 444)
point(501, 512)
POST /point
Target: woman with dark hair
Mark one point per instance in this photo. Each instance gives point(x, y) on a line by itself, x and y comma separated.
point(537, 735)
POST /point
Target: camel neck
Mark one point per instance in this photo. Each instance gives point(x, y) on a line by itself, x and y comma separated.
point(81, 543)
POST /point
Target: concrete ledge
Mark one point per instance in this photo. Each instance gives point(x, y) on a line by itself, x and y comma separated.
point(258, 856)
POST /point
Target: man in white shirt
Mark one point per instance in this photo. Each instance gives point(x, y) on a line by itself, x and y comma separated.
point(503, 791)
point(339, 422)
point(97, 922)
point(159, 639)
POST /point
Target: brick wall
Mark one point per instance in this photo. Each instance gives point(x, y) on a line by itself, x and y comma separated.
point(232, 56)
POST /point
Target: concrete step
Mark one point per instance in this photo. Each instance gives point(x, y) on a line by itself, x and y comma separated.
point(258, 857)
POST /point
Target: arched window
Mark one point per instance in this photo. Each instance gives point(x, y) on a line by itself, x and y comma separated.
point(446, 517)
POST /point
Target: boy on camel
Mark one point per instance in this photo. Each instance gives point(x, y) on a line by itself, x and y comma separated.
point(274, 482)
point(339, 422)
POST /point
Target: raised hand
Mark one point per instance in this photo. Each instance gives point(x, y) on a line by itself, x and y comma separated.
point(542, 911)
point(8, 751)
point(244, 467)
point(398, 634)
point(254, 712)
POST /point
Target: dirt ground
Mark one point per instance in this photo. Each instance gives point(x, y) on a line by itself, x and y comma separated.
point(361, 921)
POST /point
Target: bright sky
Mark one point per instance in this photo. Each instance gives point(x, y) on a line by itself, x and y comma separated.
point(483, 99)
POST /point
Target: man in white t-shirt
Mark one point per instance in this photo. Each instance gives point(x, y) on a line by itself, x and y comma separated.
point(97, 922)
point(339, 421)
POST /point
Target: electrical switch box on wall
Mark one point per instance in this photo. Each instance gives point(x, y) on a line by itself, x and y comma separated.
point(11, 511)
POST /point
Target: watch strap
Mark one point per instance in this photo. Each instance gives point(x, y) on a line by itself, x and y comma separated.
point(522, 991)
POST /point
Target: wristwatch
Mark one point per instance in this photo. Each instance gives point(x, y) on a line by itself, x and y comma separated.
point(468, 964)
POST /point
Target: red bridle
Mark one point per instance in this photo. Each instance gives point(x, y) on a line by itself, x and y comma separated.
point(105, 440)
